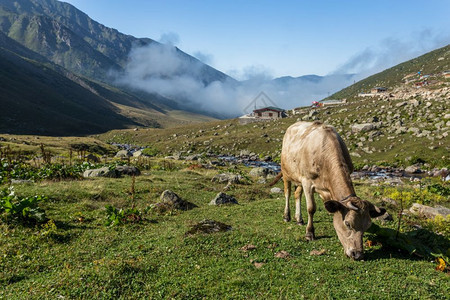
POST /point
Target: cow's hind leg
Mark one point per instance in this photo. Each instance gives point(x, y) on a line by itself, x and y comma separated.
point(311, 207)
point(298, 206)
point(287, 195)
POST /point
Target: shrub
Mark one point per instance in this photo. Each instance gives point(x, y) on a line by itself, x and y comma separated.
point(116, 216)
point(21, 209)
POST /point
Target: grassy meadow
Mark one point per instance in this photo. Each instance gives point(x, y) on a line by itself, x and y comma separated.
point(74, 255)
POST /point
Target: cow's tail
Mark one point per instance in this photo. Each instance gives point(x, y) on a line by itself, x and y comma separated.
point(277, 178)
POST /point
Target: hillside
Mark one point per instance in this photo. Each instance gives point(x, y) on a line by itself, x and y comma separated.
point(39, 97)
point(406, 126)
point(68, 37)
point(433, 62)
point(54, 66)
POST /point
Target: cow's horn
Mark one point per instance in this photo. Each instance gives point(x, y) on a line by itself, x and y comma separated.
point(351, 206)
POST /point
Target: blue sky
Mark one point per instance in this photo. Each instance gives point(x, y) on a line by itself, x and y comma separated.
point(278, 38)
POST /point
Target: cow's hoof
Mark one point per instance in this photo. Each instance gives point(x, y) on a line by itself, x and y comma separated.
point(310, 236)
point(300, 222)
point(287, 219)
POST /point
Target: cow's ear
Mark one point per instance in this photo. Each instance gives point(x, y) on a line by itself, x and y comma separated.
point(332, 206)
point(375, 211)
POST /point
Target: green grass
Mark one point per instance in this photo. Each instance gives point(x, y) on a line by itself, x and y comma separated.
point(80, 257)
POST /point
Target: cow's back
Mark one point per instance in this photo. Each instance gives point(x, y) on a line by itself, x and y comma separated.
point(308, 148)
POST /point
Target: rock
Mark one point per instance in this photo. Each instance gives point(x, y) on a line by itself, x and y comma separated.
point(413, 169)
point(222, 198)
point(363, 127)
point(227, 177)
point(260, 172)
point(208, 226)
point(389, 201)
point(21, 181)
point(138, 153)
point(440, 173)
point(385, 218)
point(276, 190)
point(171, 198)
point(101, 172)
point(192, 157)
point(123, 154)
point(127, 170)
point(428, 211)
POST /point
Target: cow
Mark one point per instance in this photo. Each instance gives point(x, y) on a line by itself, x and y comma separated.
point(315, 159)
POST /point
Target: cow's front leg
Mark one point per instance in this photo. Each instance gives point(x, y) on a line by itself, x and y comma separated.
point(287, 195)
point(311, 207)
point(298, 205)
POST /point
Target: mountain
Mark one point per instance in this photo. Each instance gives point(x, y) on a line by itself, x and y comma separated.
point(39, 98)
point(430, 63)
point(56, 65)
point(68, 38)
point(408, 125)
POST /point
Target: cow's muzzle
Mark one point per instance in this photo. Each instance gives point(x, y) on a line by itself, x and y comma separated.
point(355, 254)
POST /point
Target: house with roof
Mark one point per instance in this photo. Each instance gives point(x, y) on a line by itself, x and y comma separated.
point(268, 113)
point(378, 90)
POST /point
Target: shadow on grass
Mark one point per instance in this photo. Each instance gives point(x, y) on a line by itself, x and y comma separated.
point(13, 279)
point(415, 245)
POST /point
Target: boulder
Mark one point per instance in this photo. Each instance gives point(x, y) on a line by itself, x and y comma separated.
point(123, 154)
point(222, 198)
point(276, 190)
point(170, 197)
point(428, 211)
point(363, 127)
point(101, 172)
point(261, 172)
point(413, 169)
point(227, 178)
point(138, 153)
point(128, 170)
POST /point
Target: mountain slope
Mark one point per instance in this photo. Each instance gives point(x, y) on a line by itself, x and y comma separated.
point(68, 37)
point(37, 99)
point(429, 63)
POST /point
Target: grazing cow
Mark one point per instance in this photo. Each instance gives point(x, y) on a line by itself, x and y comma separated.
point(315, 159)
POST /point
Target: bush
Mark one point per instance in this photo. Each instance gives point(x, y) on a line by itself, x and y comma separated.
point(21, 209)
point(116, 216)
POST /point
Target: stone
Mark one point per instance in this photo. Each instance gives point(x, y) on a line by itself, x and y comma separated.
point(171, 198)
point(227, 177)
point(413, 169)
point(428, 211)
point(138, 153)
point(276, 190)
point(101, 172)
point(222, 198)
point(259, 172)
point(389, 201)
point(123, 154)
point(363, 127)
point(21, 181)
point(128, 170)
point(386, 217)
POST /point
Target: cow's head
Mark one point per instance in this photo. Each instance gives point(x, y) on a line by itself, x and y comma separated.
point(351, 218)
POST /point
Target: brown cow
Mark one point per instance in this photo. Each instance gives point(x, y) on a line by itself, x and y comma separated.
point(315, 158)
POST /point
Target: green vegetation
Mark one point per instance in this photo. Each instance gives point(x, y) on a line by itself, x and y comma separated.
point(21, 209)
point(430, 63)
point(139, 253)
